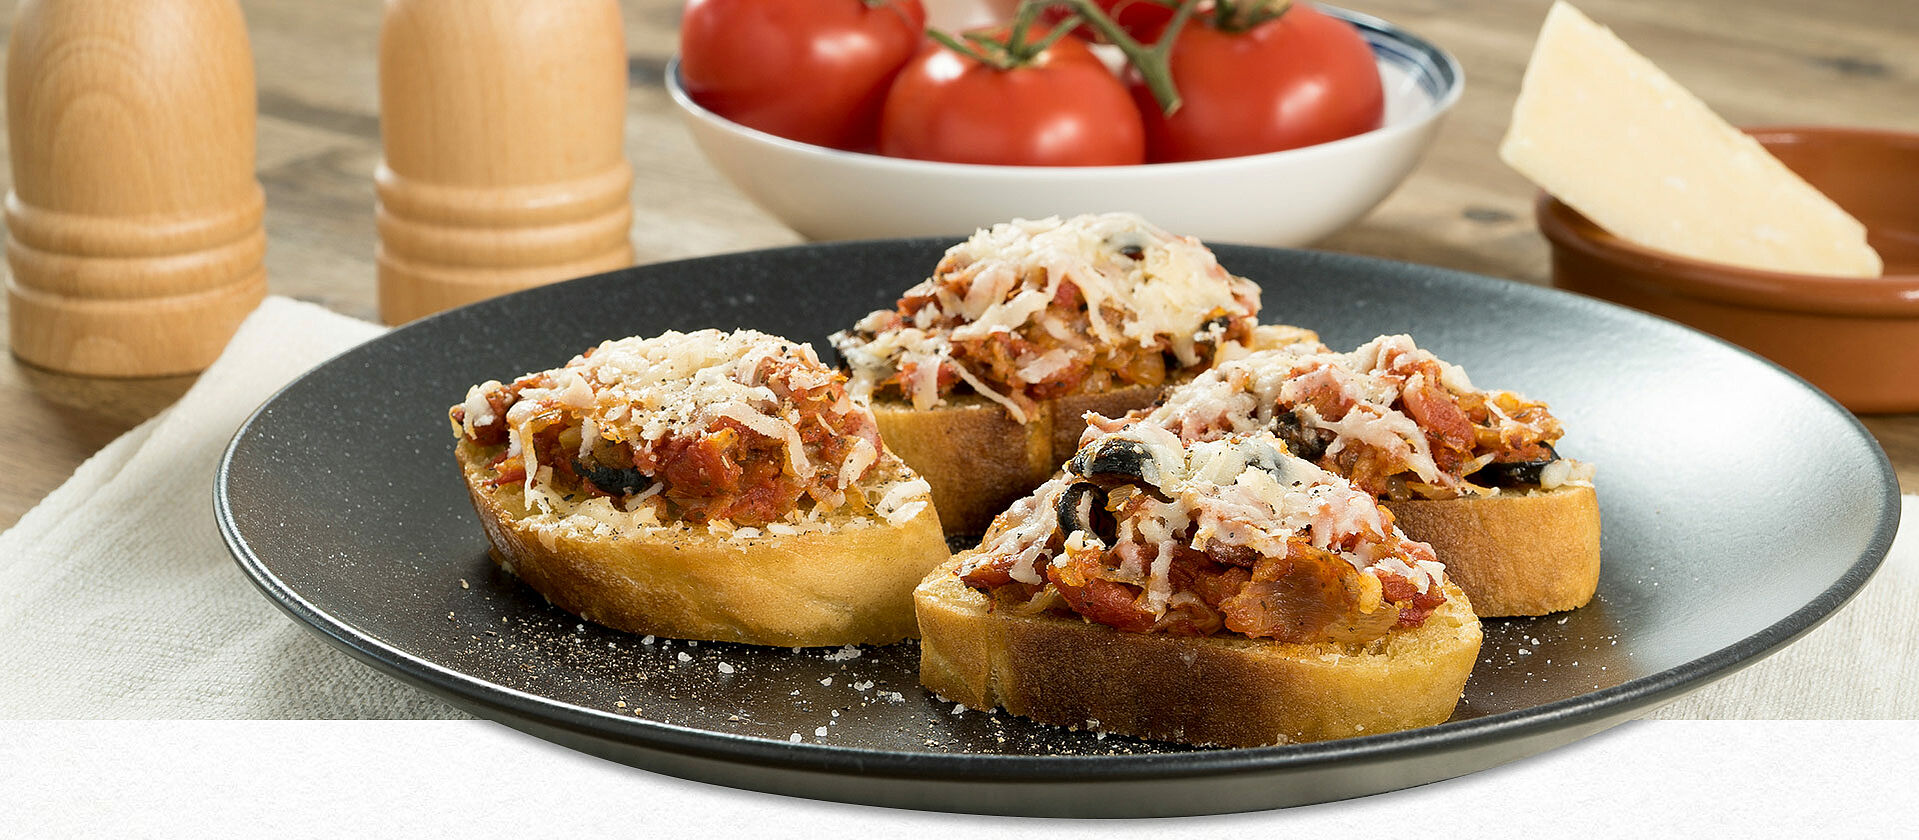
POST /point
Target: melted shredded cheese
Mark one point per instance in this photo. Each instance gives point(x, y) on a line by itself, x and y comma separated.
point(1142, 287)
point(1244, 394)
point(1242, 491)
point(640, 390)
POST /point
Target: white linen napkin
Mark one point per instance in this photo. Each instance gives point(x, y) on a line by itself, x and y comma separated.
point(121, 601)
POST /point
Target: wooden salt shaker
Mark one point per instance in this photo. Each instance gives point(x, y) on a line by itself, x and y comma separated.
point(134, 223)
point(503, 123)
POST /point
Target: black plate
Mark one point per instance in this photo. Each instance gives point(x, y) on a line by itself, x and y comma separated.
point(1741, 508)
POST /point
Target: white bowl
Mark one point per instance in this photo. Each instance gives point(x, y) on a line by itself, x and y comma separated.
point(1284, 198)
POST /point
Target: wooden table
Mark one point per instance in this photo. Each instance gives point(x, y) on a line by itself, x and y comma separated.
point(1756, 61)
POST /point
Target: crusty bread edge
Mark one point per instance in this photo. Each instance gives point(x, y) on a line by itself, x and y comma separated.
point(979, 460)
point(1516, 553)
point(848, 585)
point(1228, 691)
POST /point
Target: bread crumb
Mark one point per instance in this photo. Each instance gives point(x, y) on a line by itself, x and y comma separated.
point(893, 696)
point(725, 668)
point(820, 732)
point(647, 641)
point(826, 681)
point(795, 737)
point(620, 703)
point(957, 708)
point(684, 658)
point(464, 585)
point(844, 653)
point(863, 685)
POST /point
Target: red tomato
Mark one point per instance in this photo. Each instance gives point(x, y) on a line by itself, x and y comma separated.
point(1297, 80)
point(1141, 19)
point(809, 70)
point(1064, 108)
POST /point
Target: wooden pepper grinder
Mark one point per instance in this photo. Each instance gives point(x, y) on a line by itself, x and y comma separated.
point(134, 224)
point(504, 126)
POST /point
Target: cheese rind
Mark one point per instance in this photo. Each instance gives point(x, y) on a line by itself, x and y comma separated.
point(1605, 131)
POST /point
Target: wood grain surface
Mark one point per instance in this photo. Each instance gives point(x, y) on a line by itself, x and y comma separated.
point(1847, 62)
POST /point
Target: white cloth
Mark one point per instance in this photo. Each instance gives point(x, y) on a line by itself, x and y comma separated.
point(122, 602)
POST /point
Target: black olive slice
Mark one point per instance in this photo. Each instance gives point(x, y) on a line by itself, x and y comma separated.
point(1083, 508)
point(612, 480)
point(1303, 439)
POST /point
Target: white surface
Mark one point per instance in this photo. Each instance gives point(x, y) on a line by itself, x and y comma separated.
point(1284, 198)
point(473, 779)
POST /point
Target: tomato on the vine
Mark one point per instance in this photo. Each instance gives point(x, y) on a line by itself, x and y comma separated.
point(1058, 106)
point(816, 71)
point(1282, 82)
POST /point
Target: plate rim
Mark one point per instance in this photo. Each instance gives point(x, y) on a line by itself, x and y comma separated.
point(1591, 708)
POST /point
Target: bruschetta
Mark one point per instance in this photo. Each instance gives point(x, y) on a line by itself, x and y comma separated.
point(979, 377)
point(1218, 592)
point(1473, 472)
point(700, 485)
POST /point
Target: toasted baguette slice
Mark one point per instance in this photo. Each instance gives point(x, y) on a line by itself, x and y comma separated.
point(1229, 691)
point(978, 459)
point(1517, 553)
point(848, 584)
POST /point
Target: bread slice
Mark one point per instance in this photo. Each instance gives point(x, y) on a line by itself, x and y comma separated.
point(849, 584)
point(1517, 553)
point(1229, 691)
point(979, 459)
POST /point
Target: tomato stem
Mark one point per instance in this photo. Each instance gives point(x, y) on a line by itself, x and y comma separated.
point(1234, 16)
point(1064, 28)
point(1152, 63)
point(970, 50)
point(1016, 50)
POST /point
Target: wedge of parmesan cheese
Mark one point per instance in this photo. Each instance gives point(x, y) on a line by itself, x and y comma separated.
point(1603, 130)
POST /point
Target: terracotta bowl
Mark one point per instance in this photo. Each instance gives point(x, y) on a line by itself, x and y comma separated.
point(1856, 338)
